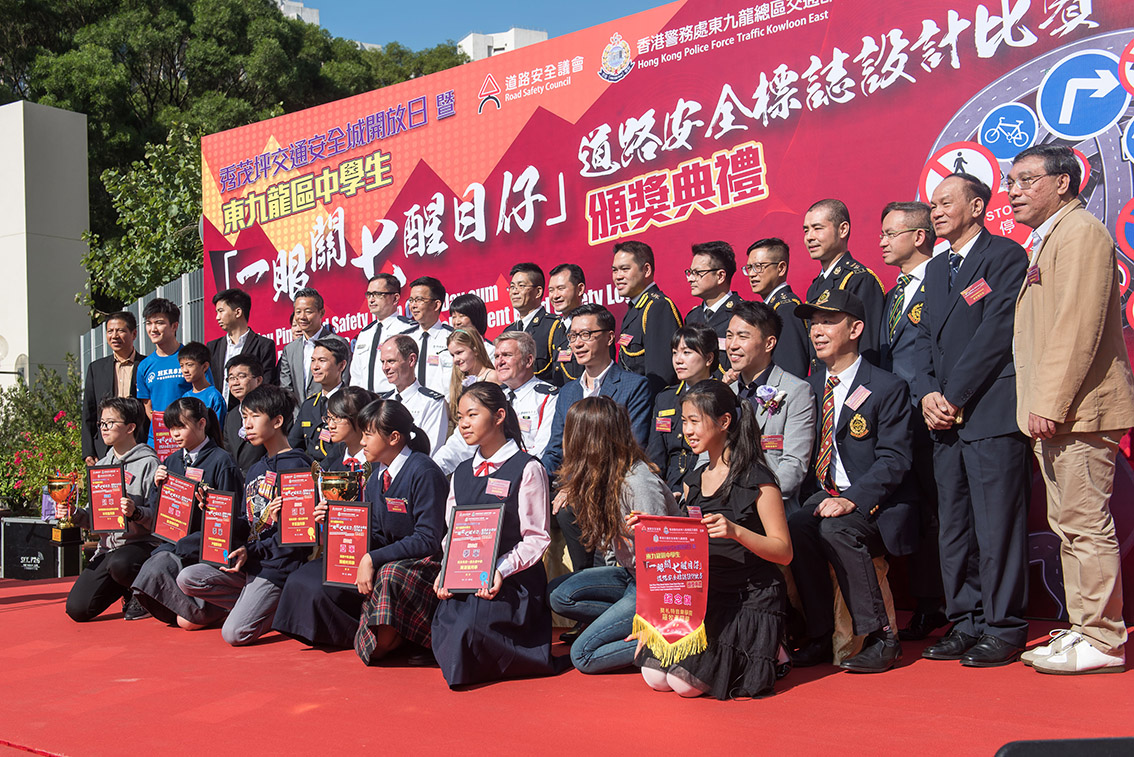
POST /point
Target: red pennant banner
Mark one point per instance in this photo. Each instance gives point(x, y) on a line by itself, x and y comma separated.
point(671, 558)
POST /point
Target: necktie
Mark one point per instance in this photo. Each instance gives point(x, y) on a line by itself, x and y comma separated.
point(1037, 240)
point(511, 395)
point(188, 458)
point(899, 303)
point(485, 469)
point(823, 464)
point(374, 353)
point(386, 480)
point(397, 396)
point(424, 357)
point(955, 261)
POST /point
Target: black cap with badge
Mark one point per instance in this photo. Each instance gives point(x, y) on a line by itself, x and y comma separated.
point(833, 301)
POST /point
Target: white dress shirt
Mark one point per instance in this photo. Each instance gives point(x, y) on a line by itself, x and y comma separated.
point(534, 510)
point(842, 389)
point(308, 349)
point(917, 276)
point(369, 340)
point(430, 414)
point(438, 361)
point(231, 350)
point(395, 467)
point(596, 383)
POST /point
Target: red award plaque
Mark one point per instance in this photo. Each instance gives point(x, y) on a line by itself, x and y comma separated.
point(175, 508)
point(470, 551)
point(106, 486)
point(297, 512)
point(216, 529)
point(348, 539)
point(164, 445)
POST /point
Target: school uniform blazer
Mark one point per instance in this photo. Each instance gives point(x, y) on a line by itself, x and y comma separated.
point(964, 350)
point(291, 367)
point(875, 444)
point(256, 346)
point(627, 389)
point(898, 352)
point(1071, 361)
point(415, 526)
point(794, 421)
point(99, 384)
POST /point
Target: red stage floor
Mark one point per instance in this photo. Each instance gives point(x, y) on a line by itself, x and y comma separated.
point(110, 687)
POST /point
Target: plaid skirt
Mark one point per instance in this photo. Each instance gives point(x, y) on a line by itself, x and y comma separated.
point(403, 598)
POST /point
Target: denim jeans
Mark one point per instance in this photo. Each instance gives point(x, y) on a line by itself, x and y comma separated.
point(604, 598)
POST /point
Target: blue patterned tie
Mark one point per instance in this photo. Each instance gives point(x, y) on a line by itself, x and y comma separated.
point(955, 261)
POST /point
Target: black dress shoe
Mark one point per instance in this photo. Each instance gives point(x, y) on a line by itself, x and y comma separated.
point(922, 624)
point(877, 656)
point(568, 637)
point(813, 652)
point(951, 647)
point(133, 610)
point(990, 652)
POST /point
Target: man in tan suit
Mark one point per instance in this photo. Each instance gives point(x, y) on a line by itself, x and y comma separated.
point(1075, 400)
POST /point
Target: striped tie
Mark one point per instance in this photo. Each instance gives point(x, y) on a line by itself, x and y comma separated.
point(899, 303)
point(955, 261)
point(823, 463)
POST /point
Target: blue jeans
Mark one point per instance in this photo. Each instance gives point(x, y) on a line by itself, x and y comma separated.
point(605, 598)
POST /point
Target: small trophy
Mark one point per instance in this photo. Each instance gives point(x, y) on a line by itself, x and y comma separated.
point(62, 490)
point(341, 485)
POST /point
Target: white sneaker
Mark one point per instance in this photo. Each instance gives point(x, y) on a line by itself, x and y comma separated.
point(1081, 658)
point(1060, 640)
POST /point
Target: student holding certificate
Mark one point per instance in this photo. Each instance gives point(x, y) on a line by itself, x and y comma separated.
point(201, 459)
point(119, 557)
point(503, 630)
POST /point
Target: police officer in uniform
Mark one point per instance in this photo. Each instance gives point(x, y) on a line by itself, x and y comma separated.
point(710, 279)
point(767, 271)
point(428, 408)
point(383, 293)
point(435, 364)
point(651, 319)
point(309, 432)
point(826, 229)
point(525, 290)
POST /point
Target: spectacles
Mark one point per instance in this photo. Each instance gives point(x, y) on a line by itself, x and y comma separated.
point(584, 336)
point(376, 295)
point(107, 425)
point(693, 273)
point(238, 377)
point(421, 300)
point(520, 287)
point(752, 268)
point(1024, 182)
point(898, 233)
point(334, 420)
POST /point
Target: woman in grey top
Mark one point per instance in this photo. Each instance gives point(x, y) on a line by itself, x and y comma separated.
point(600, 457)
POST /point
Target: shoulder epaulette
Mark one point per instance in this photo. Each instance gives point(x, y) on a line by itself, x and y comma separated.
point(431, 394)
point(387, 395)
point(367, 327)
point(446, 327)
point(550, 389)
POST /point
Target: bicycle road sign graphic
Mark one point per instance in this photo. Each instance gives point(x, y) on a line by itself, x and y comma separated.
point(1008, 129)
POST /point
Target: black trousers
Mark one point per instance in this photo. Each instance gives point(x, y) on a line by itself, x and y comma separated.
point(849, 544)
point(581, 557)
point(106, 580)
point(924, 565)
point(982, 490)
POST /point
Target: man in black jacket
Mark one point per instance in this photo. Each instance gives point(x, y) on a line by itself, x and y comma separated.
point(113, 376)
point(234, 307)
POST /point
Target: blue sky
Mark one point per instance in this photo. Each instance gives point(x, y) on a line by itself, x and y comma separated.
point(424, 23)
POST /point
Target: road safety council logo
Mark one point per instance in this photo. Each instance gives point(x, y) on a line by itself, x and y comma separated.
point(616, 61)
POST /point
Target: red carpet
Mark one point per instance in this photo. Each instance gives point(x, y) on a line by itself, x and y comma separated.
point(110, 687)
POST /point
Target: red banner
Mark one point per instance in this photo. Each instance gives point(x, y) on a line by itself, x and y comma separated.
point(106, 487)
point(693, 121)
point(175, 508)
point(671, 559)
point(348, 539)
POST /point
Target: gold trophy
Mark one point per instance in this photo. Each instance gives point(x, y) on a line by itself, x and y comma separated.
point(340, 485)
point(62, 490)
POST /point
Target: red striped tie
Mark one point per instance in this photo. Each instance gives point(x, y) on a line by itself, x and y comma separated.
point(827, 443)
point(386, 481)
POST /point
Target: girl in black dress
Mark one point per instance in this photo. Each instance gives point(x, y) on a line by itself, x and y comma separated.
point(504, 629)
point(748, 537)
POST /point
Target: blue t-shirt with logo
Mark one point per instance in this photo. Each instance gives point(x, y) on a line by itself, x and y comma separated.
point(160, 382)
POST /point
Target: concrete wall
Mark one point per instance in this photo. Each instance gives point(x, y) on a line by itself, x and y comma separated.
point(480, 46)
point(43, 213)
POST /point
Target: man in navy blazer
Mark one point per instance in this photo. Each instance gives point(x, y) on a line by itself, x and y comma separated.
point(862, 507)
point(907, 241)
point(590, 337)
point(966, 384)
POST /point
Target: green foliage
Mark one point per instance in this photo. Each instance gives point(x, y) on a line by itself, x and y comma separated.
point(39, 435)
point(151, 74)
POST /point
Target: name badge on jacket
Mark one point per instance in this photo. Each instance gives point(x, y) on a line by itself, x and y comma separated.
point(976, 292)
point(395, 505)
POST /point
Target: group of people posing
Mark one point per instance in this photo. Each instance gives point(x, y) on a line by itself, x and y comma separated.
point(812, 439)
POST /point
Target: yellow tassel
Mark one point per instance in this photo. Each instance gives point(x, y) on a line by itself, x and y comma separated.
point(669, 652)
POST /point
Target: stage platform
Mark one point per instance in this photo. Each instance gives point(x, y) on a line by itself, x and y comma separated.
point(114, 688)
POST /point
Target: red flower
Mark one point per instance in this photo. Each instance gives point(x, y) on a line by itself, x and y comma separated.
point(19, 483)
point(61, 414)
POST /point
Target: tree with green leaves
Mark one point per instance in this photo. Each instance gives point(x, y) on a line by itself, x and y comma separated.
point(152, 76)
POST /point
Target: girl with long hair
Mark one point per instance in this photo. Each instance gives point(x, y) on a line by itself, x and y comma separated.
point(471, 363)
point(605, 476)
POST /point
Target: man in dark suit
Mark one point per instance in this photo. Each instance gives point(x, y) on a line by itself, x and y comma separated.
point(245, 373)
point(907, 241)
point(115, 375)
point(592, 333)
point(328, 365)
point(294, 367)
point(861, 509)
point(234, 307)
point(710, 280)
point(525, 290)
point(966, 384)
point(650, 320)
point(767, 271)
point(826, 229)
